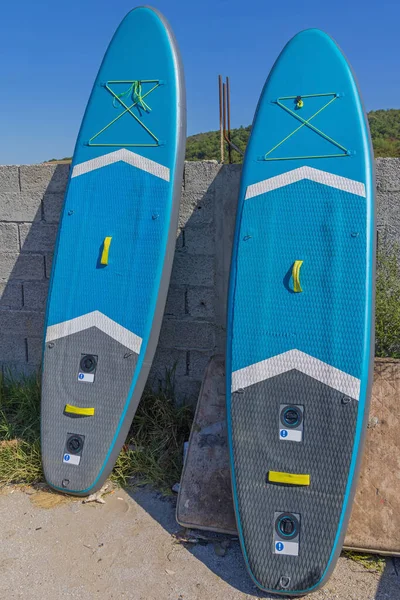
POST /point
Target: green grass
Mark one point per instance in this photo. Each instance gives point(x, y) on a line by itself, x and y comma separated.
point(387, 315)
point(371, 562)
point(152, 453)
point(19, 431)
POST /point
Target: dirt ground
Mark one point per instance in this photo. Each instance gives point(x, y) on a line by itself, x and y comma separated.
point(57, 548)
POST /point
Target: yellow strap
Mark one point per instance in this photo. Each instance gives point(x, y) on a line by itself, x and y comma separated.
point(289, 478)
point(77, 410)
point(296, 275)
point(106, 248)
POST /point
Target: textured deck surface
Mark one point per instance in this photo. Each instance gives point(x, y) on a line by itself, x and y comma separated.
point(114, 252)
point(205, 499)
point(300, 310)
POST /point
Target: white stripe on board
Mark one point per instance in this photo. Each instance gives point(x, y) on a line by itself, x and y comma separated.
point(295, 359)
point(95, 319)
point(324, 177)
point(136, 160)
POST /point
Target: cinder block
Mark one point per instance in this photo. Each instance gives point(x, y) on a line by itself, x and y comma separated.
point(38, 237)
point(196, 208)
point(196, 270)
point(34, 345)
point(198, 362)
point(187, 390)
point(51, 179)
point(388, 219)
point(17, 206)
point(48, 261)
point(226, 193)
point(9, 179)
point(52, 205)
point(200, 302)
point(175, 305)
point(10, 295)
point(21, 266)
point(180, 236)
point(12, 348)
point(168, 362)
point(393, 212)
point(227, 183)
point(35, 295)
point(387, 172)
point(199, 175)
point(9, 237)
point(200, 240)
point(186, 335)
point(381, 209)
point(21, 322)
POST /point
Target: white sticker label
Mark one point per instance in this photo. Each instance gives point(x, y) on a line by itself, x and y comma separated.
point(291, 435)
point(291, 548)
point(72, 459)
point(87, 377)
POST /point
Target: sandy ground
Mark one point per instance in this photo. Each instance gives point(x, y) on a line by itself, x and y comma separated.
point(126, 549)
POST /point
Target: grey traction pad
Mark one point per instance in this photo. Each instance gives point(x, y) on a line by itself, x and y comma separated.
point(108, 394)
point(325, 454)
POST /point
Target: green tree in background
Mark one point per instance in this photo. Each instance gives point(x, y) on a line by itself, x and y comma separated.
point(385, 131)
point(384, 126)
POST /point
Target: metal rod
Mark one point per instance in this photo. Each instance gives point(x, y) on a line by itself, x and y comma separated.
point(228, 112)
point(224, 110)
point(226, 136)
point(221, 132)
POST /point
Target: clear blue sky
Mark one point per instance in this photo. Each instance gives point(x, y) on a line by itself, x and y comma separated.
point(50, 52)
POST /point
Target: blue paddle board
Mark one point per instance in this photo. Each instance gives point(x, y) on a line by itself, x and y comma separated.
point(114, 253)
point(300, 324)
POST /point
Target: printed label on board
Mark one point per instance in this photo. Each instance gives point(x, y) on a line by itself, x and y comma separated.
point(291, 435)
point(87, 377)
point(290, 548)
point(72, 459)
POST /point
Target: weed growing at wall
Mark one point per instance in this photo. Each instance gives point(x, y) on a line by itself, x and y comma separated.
point(152, 453)
point(20, 431)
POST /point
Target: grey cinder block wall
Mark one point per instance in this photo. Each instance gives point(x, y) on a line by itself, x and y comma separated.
point(194, 323)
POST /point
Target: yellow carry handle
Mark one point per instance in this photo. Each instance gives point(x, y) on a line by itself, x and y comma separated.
point(296, 275)
point(289, 478)
point(77, 410)
point(106, 248)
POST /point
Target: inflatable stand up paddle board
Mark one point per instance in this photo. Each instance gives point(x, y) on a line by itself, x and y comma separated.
point(114, 253)
point(300, 324)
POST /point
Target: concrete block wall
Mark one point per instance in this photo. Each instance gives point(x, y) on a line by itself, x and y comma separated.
point(387, 172)
point(30, 202)
point(193, 326)
point(194, 323)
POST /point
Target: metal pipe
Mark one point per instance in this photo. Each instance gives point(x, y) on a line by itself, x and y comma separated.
point(228, 111)
point(224, 109)
point(224, 116)
point(221, 133)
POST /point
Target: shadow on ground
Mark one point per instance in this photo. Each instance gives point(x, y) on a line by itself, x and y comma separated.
point(350, 580)
point(389, 582)
point(230, 568)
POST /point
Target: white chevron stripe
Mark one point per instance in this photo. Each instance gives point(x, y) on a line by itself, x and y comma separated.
point(324, 177)
point(95, 319)
point(295, 359)
point(136, 160)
